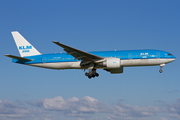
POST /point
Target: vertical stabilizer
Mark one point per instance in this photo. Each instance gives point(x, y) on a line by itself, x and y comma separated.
point(24, 47)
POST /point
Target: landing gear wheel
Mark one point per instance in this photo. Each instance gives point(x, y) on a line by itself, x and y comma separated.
point(96, 74)
point(93, 75)
point(161, 66)
point(86, 74)
point(89, 76)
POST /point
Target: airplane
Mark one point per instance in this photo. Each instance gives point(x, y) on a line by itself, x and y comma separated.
point(111, 61)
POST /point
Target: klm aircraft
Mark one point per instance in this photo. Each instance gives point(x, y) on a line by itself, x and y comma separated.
point(111, 61)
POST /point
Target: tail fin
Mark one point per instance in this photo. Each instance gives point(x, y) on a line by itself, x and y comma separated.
point(24, 47)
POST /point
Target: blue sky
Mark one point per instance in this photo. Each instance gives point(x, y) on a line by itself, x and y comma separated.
point(140, 93)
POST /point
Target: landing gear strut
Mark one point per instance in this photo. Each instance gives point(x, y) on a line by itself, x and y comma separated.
point(91, 73)
point(161, 66)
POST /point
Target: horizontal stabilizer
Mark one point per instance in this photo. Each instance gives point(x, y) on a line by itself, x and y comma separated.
point(18, 58)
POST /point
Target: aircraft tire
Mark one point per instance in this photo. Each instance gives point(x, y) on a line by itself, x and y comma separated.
point(93, 75)
point(96, 74)
point(89, 76)
point(86, 74)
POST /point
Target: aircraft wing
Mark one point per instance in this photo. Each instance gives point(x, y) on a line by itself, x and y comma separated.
point(79, 54)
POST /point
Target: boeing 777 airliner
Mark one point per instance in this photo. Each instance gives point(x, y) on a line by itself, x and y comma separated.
point(111, 61)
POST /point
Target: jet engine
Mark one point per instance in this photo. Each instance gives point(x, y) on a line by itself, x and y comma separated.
point(112, 63)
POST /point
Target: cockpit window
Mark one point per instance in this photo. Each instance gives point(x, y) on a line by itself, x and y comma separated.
point(170, 54)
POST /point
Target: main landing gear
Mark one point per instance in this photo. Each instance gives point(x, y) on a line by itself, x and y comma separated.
point(92, 73)
point(161, 66)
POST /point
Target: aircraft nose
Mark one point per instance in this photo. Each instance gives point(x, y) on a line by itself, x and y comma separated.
point(172, 59)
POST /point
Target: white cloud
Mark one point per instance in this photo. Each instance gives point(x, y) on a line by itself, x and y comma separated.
point(175, 115)
point(125, 111)
point(84, 108)
point(73, 106)
point(13, 111)
point(174, 109)
point(164, 119)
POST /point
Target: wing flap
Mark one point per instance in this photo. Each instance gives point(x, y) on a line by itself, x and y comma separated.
point(18, 58)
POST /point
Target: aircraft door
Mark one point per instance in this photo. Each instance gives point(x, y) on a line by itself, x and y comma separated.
point(130, 55)
point(44, 59)
point(157, 55)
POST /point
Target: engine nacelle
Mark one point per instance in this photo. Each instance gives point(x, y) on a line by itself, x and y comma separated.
point(115, 70)
point(112, 63)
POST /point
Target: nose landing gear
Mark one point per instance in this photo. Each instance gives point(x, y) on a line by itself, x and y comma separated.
point(91, 73)
point(161, 66)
